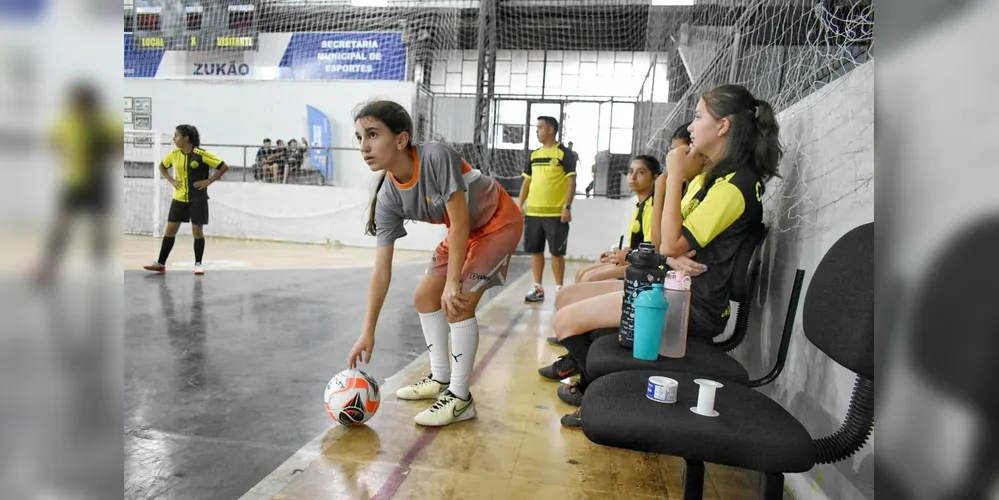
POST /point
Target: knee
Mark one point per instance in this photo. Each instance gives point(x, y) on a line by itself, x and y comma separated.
point(426, 302)
point(564, 325)
point(562, 298)
point(198, 231)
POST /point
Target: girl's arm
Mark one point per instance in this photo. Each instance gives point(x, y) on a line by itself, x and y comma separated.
point(381, 277)
point(457, 236)
point(457, 241)
point(673, 242)
point(658, 197)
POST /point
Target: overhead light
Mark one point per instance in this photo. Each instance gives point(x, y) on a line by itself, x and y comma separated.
point(672, 2)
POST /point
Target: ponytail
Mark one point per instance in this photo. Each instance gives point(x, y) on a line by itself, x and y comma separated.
point(754, 135)
point(767, 153)
point(370, 229)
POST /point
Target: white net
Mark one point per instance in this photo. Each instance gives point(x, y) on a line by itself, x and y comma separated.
point(144, 193)
point(793, 55)
point(620, 76)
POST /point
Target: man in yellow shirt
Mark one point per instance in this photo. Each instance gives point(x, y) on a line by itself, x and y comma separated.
point(546, 200)
point(190, 193)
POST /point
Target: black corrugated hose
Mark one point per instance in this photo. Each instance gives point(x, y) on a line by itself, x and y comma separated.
point(741, 324)
point(856, 429)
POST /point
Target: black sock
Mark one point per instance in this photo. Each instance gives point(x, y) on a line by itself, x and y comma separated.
point(199, 249)
point(578, 347)
point(165, 249)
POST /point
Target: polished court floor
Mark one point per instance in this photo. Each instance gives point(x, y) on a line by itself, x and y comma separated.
point(224, 376)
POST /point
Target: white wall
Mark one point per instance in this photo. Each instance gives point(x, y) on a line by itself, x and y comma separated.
point(327, 215)
point(454, 119)
point(597, 224)
point(244, 112)
point(305, 214)
point(828, 189)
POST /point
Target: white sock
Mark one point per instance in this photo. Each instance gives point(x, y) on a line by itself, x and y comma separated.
point(464, 344)
point(435, 331)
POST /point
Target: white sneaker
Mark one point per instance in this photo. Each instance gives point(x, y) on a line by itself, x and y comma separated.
point(199, 269)
point(447, 410)
point(427, 388)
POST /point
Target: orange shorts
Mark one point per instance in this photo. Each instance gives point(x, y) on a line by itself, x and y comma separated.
point(490, 247)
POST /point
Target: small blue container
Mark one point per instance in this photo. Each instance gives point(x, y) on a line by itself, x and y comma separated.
point(650, 316)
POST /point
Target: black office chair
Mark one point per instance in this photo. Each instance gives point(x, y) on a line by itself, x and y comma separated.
point(950, 346)
point(743, 285)
point(752, 431)
point(607, 356)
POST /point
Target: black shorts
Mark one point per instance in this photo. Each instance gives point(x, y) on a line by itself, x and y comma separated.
point(537, 230)
point(91, 199)
point(195, 211)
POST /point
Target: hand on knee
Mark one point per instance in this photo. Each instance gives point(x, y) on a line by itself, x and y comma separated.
point(458, 316)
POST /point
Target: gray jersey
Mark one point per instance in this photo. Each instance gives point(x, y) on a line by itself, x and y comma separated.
point(439, 172)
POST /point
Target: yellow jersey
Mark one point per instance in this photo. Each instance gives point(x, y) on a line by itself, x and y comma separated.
point(189, 168)
point(549, 170)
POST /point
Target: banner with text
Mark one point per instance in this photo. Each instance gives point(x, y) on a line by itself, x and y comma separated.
point(141, 63)
point(345, 56)
point(320, 137)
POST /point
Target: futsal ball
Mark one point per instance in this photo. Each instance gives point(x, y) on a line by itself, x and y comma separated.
point(352, 397)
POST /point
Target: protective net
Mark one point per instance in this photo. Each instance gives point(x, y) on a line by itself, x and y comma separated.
point(145, 202)
point(793, 55)
point(619, 76)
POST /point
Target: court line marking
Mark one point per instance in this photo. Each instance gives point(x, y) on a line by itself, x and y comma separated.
point(281, 476)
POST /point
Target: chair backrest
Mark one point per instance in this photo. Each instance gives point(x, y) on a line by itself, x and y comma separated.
point(747, 263)
point(838, 316)
point(954, 323)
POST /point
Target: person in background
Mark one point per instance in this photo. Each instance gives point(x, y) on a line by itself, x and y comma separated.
point(294, 157)
point(641, 180)
point(575, 155)
point(87, 141)
point(546, 200)
point(680, 137)
point(264, 163)
point(593, 180)
point(280, 159)
point(190, 193)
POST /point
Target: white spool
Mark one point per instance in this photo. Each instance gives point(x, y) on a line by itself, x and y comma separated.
point(706, 397)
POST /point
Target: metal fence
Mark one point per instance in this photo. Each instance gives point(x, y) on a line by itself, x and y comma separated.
point(241, 159)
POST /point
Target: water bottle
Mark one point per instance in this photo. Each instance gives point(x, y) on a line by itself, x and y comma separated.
point(674, 333)
point(643, 270)
point(650, 314)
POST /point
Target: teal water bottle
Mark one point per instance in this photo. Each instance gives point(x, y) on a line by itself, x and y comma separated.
point(650, 316)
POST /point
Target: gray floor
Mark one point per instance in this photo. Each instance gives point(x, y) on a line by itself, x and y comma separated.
point(224, 374)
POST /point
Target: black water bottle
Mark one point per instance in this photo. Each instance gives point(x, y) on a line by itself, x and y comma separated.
point(643, 271)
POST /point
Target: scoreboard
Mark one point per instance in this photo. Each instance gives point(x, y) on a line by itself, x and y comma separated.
point(201, 25)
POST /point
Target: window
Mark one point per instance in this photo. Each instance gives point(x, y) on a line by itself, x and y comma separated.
point(147, 21)
point(193, 21)
point(240, 17)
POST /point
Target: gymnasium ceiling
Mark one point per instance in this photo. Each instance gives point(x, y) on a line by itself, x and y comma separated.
point(523, 26)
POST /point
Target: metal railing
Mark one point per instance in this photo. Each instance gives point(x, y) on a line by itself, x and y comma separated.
point(243, 167)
